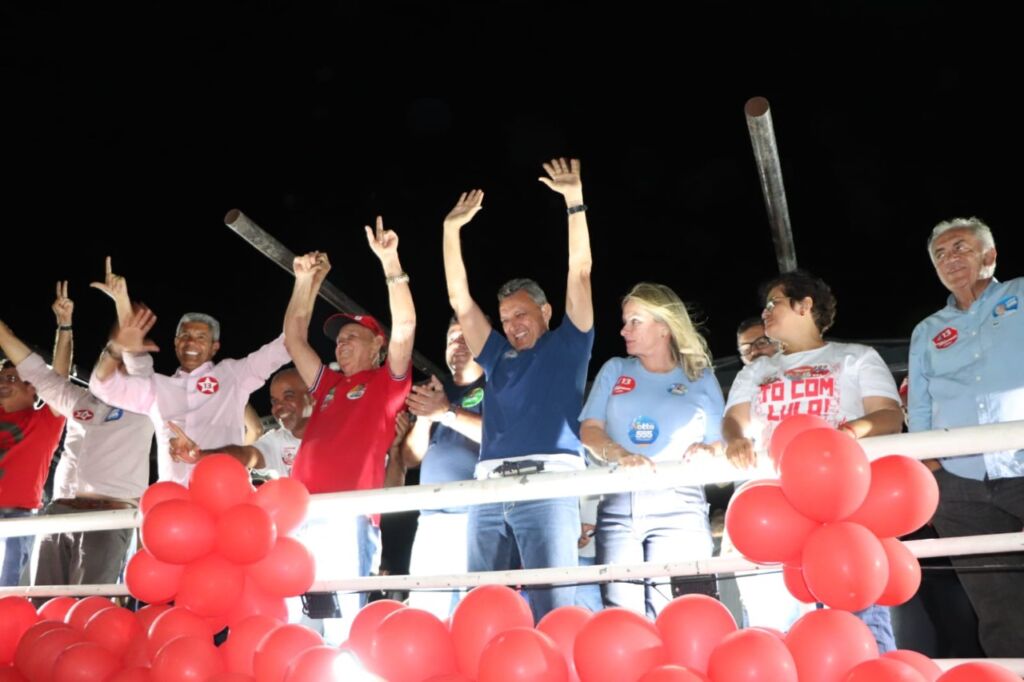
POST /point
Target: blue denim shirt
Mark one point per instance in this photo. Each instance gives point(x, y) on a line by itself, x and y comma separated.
point(967, 369)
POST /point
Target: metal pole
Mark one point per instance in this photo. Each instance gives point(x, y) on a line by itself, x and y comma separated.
point(769, 170)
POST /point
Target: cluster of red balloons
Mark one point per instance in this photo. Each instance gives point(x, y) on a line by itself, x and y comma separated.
point(490, 638)
point(832, 518)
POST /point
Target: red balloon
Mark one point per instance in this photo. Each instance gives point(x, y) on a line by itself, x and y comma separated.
point(825, 474)
point(617, 644)
point(79, 614)
point(788, 429)
point(691, 627)
point(27, 642)
point(173, 623)
point(365, 624)
point(883, 670)
point(255, 602)
point(85, 662)
point(673, 673)
point(113, 629)
point(286, 500)
point(219, 482)
point(411, 644)
point(11, 674)
point(147, 614)
point(764, 527)
point(178, 531)
point(562, 625)
point(826, 644)
point(137, 654)
point(44, 652)
point(211, 586)
point(287, 571)
point(450, 677)
point(904, 574)
point(185, 659)
point(150, 580)
point(522, 654)
point(771, 631)
point(979, 672)
point(279, 648)
point(483, 613)
point(903, 497)
point(133, 674)
point(56, 608)
point(231, 677)
point(845, 567)
point(919, 662)
point(245, 533)
point(317, 664)
point(751, 655)
point(16, 616)
point(161, 492)
point(793, 577)
point(242, 639)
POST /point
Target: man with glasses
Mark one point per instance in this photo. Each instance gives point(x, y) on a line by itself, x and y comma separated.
point(752, 342)
point(965, 370)
point(205, 399)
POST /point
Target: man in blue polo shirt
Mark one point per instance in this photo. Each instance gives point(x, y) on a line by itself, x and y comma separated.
point(535, 381)
point(965, 369)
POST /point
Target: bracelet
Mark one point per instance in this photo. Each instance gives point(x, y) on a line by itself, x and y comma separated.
point(400, 278)
point(64, 327)
point(576, 209)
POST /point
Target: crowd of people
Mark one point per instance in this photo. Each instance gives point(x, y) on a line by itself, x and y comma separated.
point(515, 402)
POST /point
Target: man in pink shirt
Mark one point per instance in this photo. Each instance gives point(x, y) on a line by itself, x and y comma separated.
point(205, 399)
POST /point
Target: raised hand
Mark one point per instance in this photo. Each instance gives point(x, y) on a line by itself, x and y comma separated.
point(468, 205)
point(63, 306)
point(314, 265)
point(183, 448)
point(564, 178)
point(428, 401)
point(116, 287)
point(383, 243)
point(131, 336)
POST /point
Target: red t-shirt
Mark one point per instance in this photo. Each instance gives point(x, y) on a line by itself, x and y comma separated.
point(351, 428)
point(28, 439)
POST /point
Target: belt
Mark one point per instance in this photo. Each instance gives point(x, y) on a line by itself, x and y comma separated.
point(518, 468)
point(93, 503)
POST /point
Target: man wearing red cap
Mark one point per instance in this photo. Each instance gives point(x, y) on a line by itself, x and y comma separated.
point(354, 409)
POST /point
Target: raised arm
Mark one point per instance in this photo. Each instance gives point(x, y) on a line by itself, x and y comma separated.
point(564, 178)
point(475, 327)
point(384, 244)
point(429, 403)
point(310, 271)
point(63, 307)
point(184, 449)
point(116, 287)
point(130, 338)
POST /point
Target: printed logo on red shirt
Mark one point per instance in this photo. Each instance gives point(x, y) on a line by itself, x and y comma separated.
point(625, 384)
point(83, 415)
point(945, 338)
point(207, 385)
point(356, 392)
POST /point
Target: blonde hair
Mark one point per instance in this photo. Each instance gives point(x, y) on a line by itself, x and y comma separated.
point(689, 348)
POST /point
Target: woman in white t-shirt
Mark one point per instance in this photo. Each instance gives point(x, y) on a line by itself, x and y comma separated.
point(847, 384)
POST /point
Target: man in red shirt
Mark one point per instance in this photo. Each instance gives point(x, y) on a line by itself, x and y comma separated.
point(353, 420)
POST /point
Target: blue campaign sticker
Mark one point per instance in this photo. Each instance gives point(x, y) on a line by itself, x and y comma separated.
point(677, 389)
point(643, 431)
point(115, 414)
point(1006, 305)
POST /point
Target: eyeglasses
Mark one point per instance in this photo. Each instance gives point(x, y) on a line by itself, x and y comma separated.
point(772, 302)
point(760, 343)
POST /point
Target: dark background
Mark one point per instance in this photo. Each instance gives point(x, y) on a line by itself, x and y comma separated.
point(131, 130)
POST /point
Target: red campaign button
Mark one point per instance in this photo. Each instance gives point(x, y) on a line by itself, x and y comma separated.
point(208, 385)
point(83, 415)
point(946, 338)
point(624, 385)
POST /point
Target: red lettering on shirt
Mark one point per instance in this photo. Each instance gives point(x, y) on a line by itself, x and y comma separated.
point(624, 384)
point(946, 338)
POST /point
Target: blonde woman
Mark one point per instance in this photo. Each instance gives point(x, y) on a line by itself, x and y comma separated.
point(658, 404)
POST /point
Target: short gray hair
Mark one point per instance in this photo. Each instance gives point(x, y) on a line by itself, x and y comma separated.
point(208, 320)
point(975, 226)
point(531, 288)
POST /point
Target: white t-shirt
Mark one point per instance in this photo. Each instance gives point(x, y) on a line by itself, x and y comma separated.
point(831, 382)
point(278, 447)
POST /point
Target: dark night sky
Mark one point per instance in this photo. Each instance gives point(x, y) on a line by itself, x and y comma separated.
point(132, 132)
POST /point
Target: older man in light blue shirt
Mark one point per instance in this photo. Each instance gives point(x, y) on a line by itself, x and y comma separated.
point(966, 369)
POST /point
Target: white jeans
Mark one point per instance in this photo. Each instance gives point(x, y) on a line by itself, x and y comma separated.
point(439, 549)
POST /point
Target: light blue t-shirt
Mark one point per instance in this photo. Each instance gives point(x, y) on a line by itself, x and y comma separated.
point(533, 396)
point(658, 415)
point(966, 369)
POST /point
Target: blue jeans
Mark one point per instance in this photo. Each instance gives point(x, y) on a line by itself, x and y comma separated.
point(650, 526)
point(878, 620)
point(17, 550)
point(589, 596)
point(532, 534)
